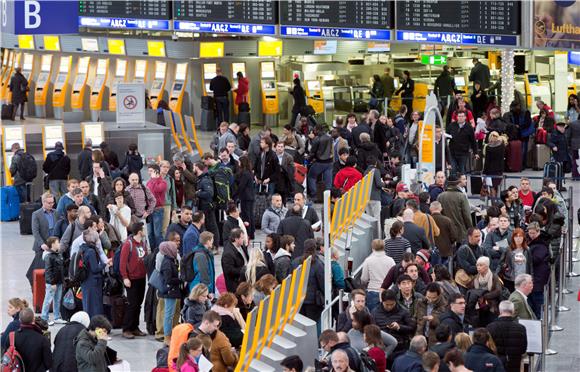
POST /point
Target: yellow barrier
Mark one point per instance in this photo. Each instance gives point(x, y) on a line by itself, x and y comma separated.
point(350, 206)
point(272, 314)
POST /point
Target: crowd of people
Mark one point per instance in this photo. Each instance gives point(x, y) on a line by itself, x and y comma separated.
point(435, 273)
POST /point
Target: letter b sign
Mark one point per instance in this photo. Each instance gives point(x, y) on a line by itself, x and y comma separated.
point(31, 14)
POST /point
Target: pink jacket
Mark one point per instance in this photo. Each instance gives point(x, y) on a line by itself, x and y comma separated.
point(189, 366)
point(158, 187)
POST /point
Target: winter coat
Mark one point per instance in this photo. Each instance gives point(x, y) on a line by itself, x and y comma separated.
point(456, 325)
point(299, 228)
point(283, 264)
point(193, 311)
point(14, 325)
point(204, 268)
point(299, 96)
point(19, 88)
point(364, 151)
point(221, 354)
point(491, 240)
point(494, 158)
point(271, 166)
point(439, 308)
point(573, 135)
point(57, 165)
point(232, 265)
point(85, 162)
point(467, 256)
point(63, 355)
point(447, 234)
point(558, 139)
point(321, 150)
point(15, 167)
point(357, 131)
point(205, 192)
point(188, 180)
point(271, 219)
point(344, 321)
point(511, 341)
point(104, 187)
point(33, 347)
point(190, 239)
point(456, 207)
point(481, 358)
point(54, 268)
point(170, 275)
point(347, 178)
point(315, 281)
point(90, 353)
point(416, 236)
point(444, 86)
point(505, 268)
point(407, 324)
point(408, 362)
point(540, 257)
point(133, 164)
point(462, 139)
point(480, 73)
point(242, 91)
point(245, 186)
point(229, 326)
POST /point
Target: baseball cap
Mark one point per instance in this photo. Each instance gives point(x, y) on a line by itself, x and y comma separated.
point(402, 187)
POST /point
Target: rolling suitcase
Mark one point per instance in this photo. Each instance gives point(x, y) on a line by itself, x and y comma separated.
point(260, 205)
point(541, 156)
point(38, 289)
point(553, 170)
point(118, 304)
point(25, 221)
point(9, 204)
point(514, 156)
point(7, 111)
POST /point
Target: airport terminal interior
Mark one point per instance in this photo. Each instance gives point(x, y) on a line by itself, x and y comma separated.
point(139, 72)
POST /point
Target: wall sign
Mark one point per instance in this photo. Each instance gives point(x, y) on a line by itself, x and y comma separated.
point(37, 17)
point(456, 38)
point(130, 103)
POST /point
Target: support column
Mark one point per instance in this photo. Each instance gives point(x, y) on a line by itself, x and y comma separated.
point(507, 79)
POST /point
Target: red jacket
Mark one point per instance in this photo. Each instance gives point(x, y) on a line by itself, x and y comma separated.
point(243, 89)
point(346, 178)
point(132, 265)
point(158, 188)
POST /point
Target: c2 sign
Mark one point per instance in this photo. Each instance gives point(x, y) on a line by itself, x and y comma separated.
point(36, 17)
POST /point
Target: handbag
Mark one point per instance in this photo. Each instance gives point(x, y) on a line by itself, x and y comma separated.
point(156, 281)
point(68, 300)
point(463, 279)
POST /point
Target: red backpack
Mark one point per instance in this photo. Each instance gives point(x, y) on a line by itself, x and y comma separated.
point(11, 360)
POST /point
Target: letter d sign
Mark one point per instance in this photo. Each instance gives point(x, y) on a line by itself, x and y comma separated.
point(31, 14)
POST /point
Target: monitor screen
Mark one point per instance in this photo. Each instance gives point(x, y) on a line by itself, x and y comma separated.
point(460, 81)
point(269, 84)
point(157, 84)
point(325, 47)
point(177, 86)
point(533, 79)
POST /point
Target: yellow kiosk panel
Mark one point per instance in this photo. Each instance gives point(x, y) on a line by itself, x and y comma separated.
point(52, 43)
point(211, 50)
point(156, 48)
point(25, 41)
point(116, 46)
point(270, 48)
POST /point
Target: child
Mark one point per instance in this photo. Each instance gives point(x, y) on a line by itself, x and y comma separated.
point(53, 276)
point(196, 304)
point(189, 353)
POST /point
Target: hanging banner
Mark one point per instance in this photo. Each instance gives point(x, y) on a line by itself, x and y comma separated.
point(557, 24)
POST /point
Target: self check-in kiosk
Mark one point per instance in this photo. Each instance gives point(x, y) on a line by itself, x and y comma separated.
point(120, 77)
point(315, 95)
point(158, 87)
point(60, 94)
point(98, 88)
point(6, 75)
point(178, 89)
point(43, 86)
point(11, 134)
point(536, 90)
point(93, 130)
point(51, 134)
point(140, 71)
point(238, 67)
point(209, 71)
point(269, 86)
point(80, 85)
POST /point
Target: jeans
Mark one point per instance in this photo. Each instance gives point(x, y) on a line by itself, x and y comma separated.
point(168, 315)
point(536, 301)
point(315, 170)
point(154, 228)
point(22, 192)
point(223, 109)
point(373, 299)
point(57, 188)
point(49, 296)
point(458, 163)
point(135, 295)
point(410, 157)
point(160, 317)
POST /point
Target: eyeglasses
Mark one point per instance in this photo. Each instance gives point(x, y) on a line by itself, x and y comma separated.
point(460, 303)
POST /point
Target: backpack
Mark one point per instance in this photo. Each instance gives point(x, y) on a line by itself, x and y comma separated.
point(368, 364)
point(161, 357)
point(12, 361)
point(221, 185)
point(77, 269)
point(27, 168)
point(186, 272)
point(117, 257)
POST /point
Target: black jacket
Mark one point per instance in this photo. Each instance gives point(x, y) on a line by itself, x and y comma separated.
point(299, 228)
point(133, 162)
point(366, 150)
point(54, 268)
point(63, 355)
point(57, 165)
point(454, 322)
point(85, 162)
point(494, 160)
point(33, 347)
point(232, 265)
point(220, 86)
point(204, 192)
point(245, 186)
point(511, 341)
point(416, 236)
point(170, 275)
point(321, 149)
point(299, 99)
point(380, 136)
point(444, 86)
point(230, 224)
point(481, 358)
point(407, 88)
point(19, 88)
point(557, 139)
point(441, 349)
point(315, 279)
point(357, 131)
point(407, 324)
point(462, 139)
point(271, 166)
point(467, 256)
point(354, 361)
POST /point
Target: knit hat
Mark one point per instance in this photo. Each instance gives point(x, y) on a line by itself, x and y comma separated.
point(424, 254)
point(81, 317)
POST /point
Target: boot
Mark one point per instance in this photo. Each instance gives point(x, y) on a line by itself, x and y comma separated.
point(167, 340)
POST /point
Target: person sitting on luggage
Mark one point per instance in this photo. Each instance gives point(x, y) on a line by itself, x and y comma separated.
point(31, 344)
point(348, 176)
point(558, 143)
point(196, 304)
point(54, 277)
point(91, 345)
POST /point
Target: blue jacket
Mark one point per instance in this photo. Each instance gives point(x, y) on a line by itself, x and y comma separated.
point(408, 362)
point(203, 267)
point(65, 201)
point(189, 240)
point(481, 358)
point(13, 326)
point(337, 275)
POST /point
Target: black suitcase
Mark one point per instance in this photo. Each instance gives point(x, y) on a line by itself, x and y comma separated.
point(244, 117)
point(207, 103)
point(260, 206)
point(553, 170)
point(118, 304)
point(25, 220)
point(476, 183)
point(7, 111)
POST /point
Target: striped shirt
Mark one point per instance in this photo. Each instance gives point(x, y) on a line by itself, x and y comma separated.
point(396, 247)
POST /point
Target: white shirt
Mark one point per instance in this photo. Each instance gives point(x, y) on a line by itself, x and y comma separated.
point(96, 186)
point(116, 221)
point(523, 295)
point(375, 268)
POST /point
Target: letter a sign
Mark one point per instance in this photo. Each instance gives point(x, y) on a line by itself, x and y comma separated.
point(37, 17)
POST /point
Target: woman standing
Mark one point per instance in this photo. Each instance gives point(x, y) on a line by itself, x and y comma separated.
point(515, 260)
point(313, 302)
point(120, 216)
point(133, 162)
point(172, 294)
point(242, 90)
point(246, 195)
point(539, 243)
point(396, 246)
point(493, 162)
point(256, 267)
point(489, 300)
point(478, 99)
point(408, 89)
point(377, 93)
point(573, 111)
point(92, 286)
point(119, 185)
point(373, 338)
point(14, 306)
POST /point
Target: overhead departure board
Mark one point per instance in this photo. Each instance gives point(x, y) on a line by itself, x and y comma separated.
point(476, 17)
point(135, 9)
point(255, 11)
point(337, 19)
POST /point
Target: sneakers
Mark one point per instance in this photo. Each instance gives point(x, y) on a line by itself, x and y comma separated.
point(60, 321)
point(128, 335)
point(51, 323)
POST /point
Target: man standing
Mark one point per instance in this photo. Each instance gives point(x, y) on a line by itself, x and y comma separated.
point(143, 200)
point(395, 320)
point(480, 72)
point(444, 86)
point(413, 233)
point(454, 318)
point(57, 168)
point(509, 336)
point(479, 357)
point(220, 86)
point(22, 170)
point(388, 83)
point(411, 360)
point(187, 177)
point(234, 259)
point(307, 212)
point(190, 238)
point(524, 284)
point(448, 236)
point(203, 264)
point(231, 135)
point(285, 181)
point(467, 254)
point(462, 140)
point(428, 311)
point(133, 272)
point(298, 227)
point(456, 207)
point(170, 204)
point(266, 167)
point(526, 194)
point(100, 185)
point(19, 88)
point(205, 196)
point(439, 141)
point(85, 159)
point(273, 215)
point(320, 159)
point(181, 226)
point(31, 344)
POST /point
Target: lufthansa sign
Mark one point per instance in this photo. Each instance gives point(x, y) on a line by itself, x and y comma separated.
point(36, 17)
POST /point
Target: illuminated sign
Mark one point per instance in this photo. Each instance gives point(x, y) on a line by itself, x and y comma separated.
point(211, 50)
point(574, 58)
point(25, 41)
point(224, 28)
point(456, 38)
point(434, 60)
point(116, 46)
point(335, 33)
point(270, 48)
point(125, 23)
point(156, 48)
point(52, 43)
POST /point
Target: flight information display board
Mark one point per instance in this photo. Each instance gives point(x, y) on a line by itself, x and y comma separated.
point(477, 17)
point(256, 17)
point(135, 9)
point(337, 19)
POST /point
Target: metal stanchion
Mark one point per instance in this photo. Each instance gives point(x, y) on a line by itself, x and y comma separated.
point(571, 273)
point(545, 333)
point(562, 290)
point(553, 326)
point(340, 303)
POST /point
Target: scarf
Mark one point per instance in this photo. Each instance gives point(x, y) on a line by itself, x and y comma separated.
point(168, 249)
point(483, 281)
